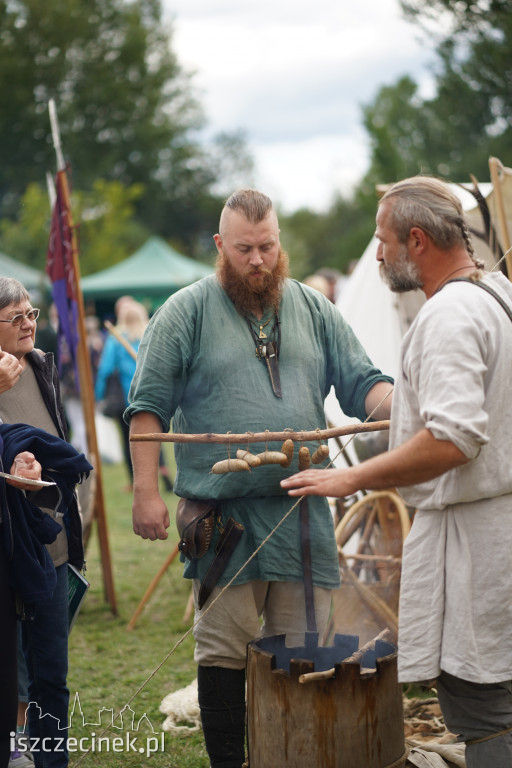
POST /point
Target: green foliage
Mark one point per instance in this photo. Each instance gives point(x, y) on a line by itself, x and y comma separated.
point(109, 664)
point(333, 239)
point(108, 231)
point(468, 119)
point(127, 111)
point(26, 238)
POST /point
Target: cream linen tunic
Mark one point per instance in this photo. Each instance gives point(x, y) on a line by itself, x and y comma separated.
point(456, 591)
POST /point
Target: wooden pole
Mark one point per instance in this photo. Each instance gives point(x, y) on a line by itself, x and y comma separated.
point(261, 437)
point(495, 166)
point(149, 591)
point(85, 378)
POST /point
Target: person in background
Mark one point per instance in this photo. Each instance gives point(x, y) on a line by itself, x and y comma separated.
point(319, 283)
point(116, 358)
point(34, 400)
point(245, 350)
point(450, 437)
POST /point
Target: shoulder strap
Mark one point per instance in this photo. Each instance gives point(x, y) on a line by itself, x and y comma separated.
point(485, 287)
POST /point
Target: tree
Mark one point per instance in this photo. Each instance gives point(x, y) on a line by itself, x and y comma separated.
point(107, 230)
point(468, 119)
point(126, 108)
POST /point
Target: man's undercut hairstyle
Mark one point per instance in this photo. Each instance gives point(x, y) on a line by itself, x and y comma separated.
point(254, 205)
point(429, 203)
point(12, 292)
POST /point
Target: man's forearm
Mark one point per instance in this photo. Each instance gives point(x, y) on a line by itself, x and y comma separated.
point(145, 454)
point(418, 460)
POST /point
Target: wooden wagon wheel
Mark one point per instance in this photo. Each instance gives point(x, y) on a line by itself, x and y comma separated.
point(370, 537)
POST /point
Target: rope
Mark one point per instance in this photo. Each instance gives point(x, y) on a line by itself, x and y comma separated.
point(487, 738)
point(210, 606)
point(398, 763)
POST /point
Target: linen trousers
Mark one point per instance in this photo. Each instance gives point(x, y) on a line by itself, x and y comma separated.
point(248, 611)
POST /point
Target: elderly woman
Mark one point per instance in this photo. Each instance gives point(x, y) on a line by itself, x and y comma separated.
point(34, 400)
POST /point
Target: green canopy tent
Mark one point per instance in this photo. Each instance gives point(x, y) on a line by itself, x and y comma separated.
point(34, 280)
point(151, 274)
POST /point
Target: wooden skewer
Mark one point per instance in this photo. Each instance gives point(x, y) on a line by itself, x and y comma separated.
point(261, 437)
point(372, 558)
point(312, 677)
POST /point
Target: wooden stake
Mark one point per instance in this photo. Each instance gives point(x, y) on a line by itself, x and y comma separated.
point(85, 379)
point(260, 437)
point(494, 166)
point(152, 587)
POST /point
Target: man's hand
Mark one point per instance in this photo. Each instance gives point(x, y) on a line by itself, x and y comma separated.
point(25, 465)
point(150, 516)
point(418, 460)
point(10, 371)
point(320, 482)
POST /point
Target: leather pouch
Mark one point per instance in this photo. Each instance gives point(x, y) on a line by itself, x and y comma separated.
point(195, 519)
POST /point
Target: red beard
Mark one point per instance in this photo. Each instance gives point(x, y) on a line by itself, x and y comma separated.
point(249, 296)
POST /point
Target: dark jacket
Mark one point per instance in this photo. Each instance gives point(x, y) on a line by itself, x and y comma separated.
point(47, 378)
point(25, 527)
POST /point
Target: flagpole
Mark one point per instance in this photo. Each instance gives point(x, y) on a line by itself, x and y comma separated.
point(85, 374)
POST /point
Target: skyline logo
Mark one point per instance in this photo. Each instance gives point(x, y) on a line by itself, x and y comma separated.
point(124, 722)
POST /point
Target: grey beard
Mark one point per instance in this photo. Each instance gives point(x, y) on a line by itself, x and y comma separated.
point(402, 276)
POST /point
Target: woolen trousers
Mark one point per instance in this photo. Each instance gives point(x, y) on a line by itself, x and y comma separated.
point(475, 711)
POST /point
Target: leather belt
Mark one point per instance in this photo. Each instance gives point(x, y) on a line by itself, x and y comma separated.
point(307, 566)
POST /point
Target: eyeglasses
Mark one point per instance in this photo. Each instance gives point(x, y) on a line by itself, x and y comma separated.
point(17, 320)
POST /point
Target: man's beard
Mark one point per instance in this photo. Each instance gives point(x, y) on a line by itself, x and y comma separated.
point(403, 275)
point(247, 296)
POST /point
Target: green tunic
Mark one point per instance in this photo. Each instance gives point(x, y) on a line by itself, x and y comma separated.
point(197, 366)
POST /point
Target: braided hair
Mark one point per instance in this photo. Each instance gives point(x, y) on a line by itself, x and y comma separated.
point(428, 203)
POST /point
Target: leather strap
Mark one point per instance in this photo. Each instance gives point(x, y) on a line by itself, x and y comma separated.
point(485, 287)
point(306, 565)
point(226, 545)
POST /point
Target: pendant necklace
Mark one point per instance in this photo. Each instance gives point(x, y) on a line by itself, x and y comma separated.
point(268, 352)
point(262, 334)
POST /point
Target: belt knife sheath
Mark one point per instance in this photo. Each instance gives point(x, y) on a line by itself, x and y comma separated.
point(226, 544)
point(272, 364)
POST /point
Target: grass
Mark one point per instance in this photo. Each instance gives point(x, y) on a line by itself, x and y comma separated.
point(108, 664)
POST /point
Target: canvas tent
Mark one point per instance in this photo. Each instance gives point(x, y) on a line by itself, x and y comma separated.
point(32, 279)
point(153, 272)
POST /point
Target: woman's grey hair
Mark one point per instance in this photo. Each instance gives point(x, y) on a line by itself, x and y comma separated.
point(12, 292)
point(429, 203)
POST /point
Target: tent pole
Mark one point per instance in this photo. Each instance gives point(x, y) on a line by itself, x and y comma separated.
point(495, 166)
point(85, 378)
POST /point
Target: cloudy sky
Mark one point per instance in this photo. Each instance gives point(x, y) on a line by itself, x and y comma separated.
point(293, 76)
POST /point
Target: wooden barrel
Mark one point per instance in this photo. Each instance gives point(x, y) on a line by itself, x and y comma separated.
point(351, 720)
